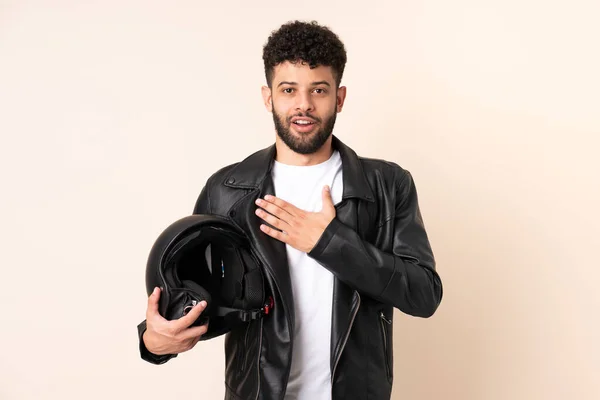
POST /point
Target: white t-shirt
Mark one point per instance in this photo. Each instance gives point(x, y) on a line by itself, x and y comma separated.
point(312, 284)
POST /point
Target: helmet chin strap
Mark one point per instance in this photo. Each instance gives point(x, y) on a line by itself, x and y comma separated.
point(244, 315)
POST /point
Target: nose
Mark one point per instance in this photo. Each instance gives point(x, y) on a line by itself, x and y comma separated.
point(304, 102)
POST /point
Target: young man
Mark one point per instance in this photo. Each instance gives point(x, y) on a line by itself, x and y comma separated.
point(342, 236)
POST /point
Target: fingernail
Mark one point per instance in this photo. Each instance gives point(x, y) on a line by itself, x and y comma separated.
point(203, 304)
point(268, 197)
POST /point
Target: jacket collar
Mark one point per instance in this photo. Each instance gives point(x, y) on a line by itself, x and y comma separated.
point(252, 171)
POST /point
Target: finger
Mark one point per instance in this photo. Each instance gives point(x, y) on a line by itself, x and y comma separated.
point(153, 302)
point(274, 209)
point(195, 332)
point(274, 221)
point(195, 341)
point(192, 342)
point(274, 233)
point(191, 316)
point(282, 204)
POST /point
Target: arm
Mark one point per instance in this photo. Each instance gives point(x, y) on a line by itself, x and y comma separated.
point(405, 278)
point(202, 207)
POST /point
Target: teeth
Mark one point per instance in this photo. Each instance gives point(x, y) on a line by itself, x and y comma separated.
point(301, 122)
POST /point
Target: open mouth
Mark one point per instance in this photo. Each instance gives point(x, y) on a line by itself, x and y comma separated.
point(303, 124)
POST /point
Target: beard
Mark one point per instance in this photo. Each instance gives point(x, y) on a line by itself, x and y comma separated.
point(307, 143)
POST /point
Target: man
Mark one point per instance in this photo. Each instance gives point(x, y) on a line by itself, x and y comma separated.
point(342, 238)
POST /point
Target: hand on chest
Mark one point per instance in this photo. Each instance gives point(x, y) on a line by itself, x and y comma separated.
point(307, 197)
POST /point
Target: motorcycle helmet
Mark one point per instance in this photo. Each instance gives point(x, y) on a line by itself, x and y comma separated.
point(206, 257)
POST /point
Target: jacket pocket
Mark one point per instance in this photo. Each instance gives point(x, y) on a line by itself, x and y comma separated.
point(386, 332)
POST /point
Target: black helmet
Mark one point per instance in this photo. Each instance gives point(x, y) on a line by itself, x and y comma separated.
point(206, 257)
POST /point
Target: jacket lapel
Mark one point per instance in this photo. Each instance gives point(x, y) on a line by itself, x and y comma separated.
point(255, 173)
point(345, 299)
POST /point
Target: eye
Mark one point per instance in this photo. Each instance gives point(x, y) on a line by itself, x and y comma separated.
point(320, 91)
point(288, 90)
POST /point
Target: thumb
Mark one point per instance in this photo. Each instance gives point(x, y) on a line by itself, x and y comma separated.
point(327, 200)
point(153, 302)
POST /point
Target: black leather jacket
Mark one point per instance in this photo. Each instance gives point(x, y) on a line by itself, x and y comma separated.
point(378, 251)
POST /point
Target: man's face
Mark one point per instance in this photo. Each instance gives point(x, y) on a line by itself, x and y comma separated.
point(304, 103)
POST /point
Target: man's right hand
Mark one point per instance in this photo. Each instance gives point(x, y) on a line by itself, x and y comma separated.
point(171, 337)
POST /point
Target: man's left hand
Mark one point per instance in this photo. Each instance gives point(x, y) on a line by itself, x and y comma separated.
point(298, 228)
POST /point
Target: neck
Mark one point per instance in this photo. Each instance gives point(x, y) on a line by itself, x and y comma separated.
point(285, 155)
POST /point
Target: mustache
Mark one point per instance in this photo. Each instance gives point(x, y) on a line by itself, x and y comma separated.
point(307, 115)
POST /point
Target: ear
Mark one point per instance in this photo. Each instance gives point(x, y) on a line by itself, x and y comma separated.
point(266, 94)
point(341, 97)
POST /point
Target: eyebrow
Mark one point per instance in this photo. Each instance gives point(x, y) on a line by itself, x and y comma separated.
point(313, 84)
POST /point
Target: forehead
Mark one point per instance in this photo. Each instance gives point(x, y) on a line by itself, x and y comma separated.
point(301, 73)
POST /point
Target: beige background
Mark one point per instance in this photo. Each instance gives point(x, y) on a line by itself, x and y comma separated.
point(113, 114)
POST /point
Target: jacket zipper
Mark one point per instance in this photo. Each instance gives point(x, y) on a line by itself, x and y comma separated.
point(260, 332)
point(385, 342)
point(246, 346)
point(337, 359)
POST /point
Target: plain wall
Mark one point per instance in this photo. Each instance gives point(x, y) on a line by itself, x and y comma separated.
point(114, 113)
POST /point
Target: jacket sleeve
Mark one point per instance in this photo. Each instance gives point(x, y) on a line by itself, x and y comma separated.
point(202, 207)
point(405, 278)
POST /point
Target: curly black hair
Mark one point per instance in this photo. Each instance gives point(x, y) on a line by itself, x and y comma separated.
point(307, 42)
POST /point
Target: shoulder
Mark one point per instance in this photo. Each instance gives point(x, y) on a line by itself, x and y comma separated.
point(385, 171)
point(212, 197)
point(221, 175)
